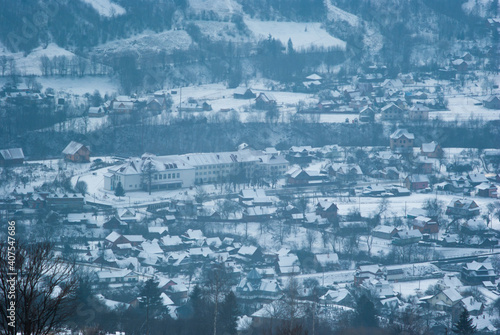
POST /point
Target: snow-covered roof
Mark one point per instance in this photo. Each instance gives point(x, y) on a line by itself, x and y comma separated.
point(13, 153)
point(113, 236)
point(171, 240)
point(475, 266)
point(429, 147)
point(314, 76)
point(402, 132)
point(452, 294)
point(72, 148)
point(247, 250)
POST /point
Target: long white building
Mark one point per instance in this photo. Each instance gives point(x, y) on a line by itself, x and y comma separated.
point(177, 171)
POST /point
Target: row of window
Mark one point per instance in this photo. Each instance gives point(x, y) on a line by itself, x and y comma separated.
point(166, 176)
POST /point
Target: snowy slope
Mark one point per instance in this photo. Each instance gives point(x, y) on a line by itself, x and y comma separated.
point(168, 41)
point(220, 31)
point(303, 34)
point(220, 7)
point(477, 7)
point(336, 14)
point(106, 8)
point(30, 64)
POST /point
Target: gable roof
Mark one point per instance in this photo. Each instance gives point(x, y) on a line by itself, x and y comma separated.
point(12, 153)
point(402, 132)
point(72, 148)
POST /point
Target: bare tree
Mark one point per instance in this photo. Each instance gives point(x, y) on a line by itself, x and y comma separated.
point(45, 288)
point(310, 237)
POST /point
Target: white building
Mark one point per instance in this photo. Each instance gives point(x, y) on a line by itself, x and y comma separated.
point(176, 171)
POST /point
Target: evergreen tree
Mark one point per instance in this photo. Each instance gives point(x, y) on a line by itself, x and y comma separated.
point(365, 313)
point(151, 302)
point(464, 324)
point(119, 191)
point(228, 315)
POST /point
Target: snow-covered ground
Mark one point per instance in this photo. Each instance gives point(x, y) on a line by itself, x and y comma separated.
point(106, 8)
point(31, 64)
point(302, 34)
point(221, 7)
point(463, 108)
point(80, 86)
point(336, 14)
point(166, 41)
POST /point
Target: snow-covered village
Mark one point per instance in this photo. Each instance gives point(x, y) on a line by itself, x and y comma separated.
point(250, 167)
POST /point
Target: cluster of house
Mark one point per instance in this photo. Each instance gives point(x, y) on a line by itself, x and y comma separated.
point(159, 101)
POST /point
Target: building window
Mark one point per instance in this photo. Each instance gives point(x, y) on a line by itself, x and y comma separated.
point(161, 176)
point(178, 175)
point(169, 176)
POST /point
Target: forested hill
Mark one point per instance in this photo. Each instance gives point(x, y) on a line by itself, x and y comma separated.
point(185, 137)
point(79, 25)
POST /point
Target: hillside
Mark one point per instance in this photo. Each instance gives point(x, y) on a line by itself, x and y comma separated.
point(223, 37)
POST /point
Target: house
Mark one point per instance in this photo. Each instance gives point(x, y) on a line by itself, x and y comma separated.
point(419, 112)
point(326, 209)
point(493, 102)
point(405, 237)
point(335, 297)
point(445, 300)
point(302, 177)
point(474, 226)
point(384, 232)
point(115, 277)
point(486, 190)
point(65, 202)
point(431, 150)
point(391, 112)
point(425, 225)
point(243, 93)
point(392, 84)
point(460, 65)
point(251, 253)
point(477, 178)
point(379, 287)
point(462, 208)
point(122, 105)
point(394, 273)
point(299, 155)
point(11, 157)
point(76, 152)
point(423, 165)
point(265, 101)
point(401, 141)
point(288, 264)
point(96, 112)
point(476, 273)
point(417, 182)
point(367, 114)
point(364, 272)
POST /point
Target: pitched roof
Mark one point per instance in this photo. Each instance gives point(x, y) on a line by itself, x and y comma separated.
point(72, 148)
point(402, 132)
point(429, 147)
point(12, 153)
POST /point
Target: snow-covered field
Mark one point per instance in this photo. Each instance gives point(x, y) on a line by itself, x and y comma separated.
point(302, 34)
point(30, 64)
point(80, 86)
point(462, 108)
